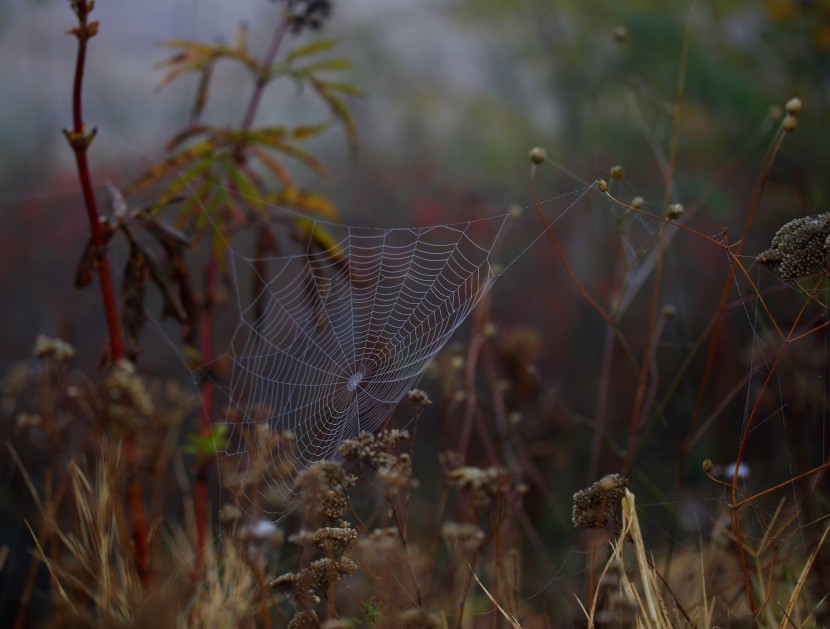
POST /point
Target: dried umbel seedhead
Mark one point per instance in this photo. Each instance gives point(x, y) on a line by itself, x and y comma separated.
point(418, 618)
point(125, 386)
point(313, 579)
point(306, 619)
point(57, 349)
point(379, 452)
point(420, 400)
point(462, 536)
point(331, 538)
point(372, 449)
point(598, 506)
point(323, 488)
point(602, 185)
point(483, 486)
point(637, 203)
point(617, 172)
point(799, 248)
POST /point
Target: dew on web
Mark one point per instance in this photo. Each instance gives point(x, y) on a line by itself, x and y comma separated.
point(337, 335)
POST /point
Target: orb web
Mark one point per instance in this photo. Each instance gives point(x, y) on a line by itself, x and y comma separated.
point(336, 336)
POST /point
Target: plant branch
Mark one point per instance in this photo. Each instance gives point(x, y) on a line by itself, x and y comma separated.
point(80, 140)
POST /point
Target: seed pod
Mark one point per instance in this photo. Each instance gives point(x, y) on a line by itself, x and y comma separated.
point(537, 155)
point(674, 211)
point(793, 106)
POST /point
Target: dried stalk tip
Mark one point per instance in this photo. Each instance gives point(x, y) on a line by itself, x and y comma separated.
point(669, 311)
point(620, 34)
point(793, 106)
point(617, 172)
point(598, 506)
point(637, 203)
point(799, 249)
point(674, 211)
point(789, 123)
point(418, 618)
point(419, 399)
point(707, 466)
point(58, 349)
point(602, 185)
point(537, 155)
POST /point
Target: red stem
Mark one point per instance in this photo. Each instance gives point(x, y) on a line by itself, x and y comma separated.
point(80, 141)
point(200, 498)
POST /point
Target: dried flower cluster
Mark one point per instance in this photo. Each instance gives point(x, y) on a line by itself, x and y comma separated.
point(799, 249)
point(483, 486)
point(380, 453)
point(323, 490)
point(598, 506)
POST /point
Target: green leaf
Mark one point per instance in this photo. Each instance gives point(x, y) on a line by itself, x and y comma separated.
point(310, 49)
point(345, 88)
point(327, 66)
point(207, 445)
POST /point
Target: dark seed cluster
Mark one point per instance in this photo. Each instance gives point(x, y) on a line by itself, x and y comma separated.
point(310, 14)
point(598, 506)
point(799, 248)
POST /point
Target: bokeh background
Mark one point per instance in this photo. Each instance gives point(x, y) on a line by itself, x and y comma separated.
point(456, 93)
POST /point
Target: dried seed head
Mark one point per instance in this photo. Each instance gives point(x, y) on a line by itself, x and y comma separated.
point(418, 618)
point(674, 211)
point(620, 34)
point(636, 203)
point(707, 466)
point(602, 185)
point(793, 106)
point(462, 536)
point(330, 538)
point(58, 349)
point(775, 112)
point(457, 362)
point(799, 248)
point(617, 172)
point(124, 385)
point(25, 421)
point(514, 212)
point(537, 155)
point(419, 399)
point(490, 329)
point(789, 123)
point(669, 311)
point(598, 506)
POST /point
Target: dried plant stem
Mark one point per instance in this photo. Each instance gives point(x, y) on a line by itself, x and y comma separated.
point(265, 73)
point(80, 140)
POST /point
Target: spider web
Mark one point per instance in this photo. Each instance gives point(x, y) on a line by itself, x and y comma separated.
point(337, 336)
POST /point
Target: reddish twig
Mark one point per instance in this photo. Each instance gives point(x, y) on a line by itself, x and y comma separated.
point(207, 392)
point(80, 140)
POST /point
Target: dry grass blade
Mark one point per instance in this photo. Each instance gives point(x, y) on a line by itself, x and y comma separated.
point(508, 617)
point(802, 578)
